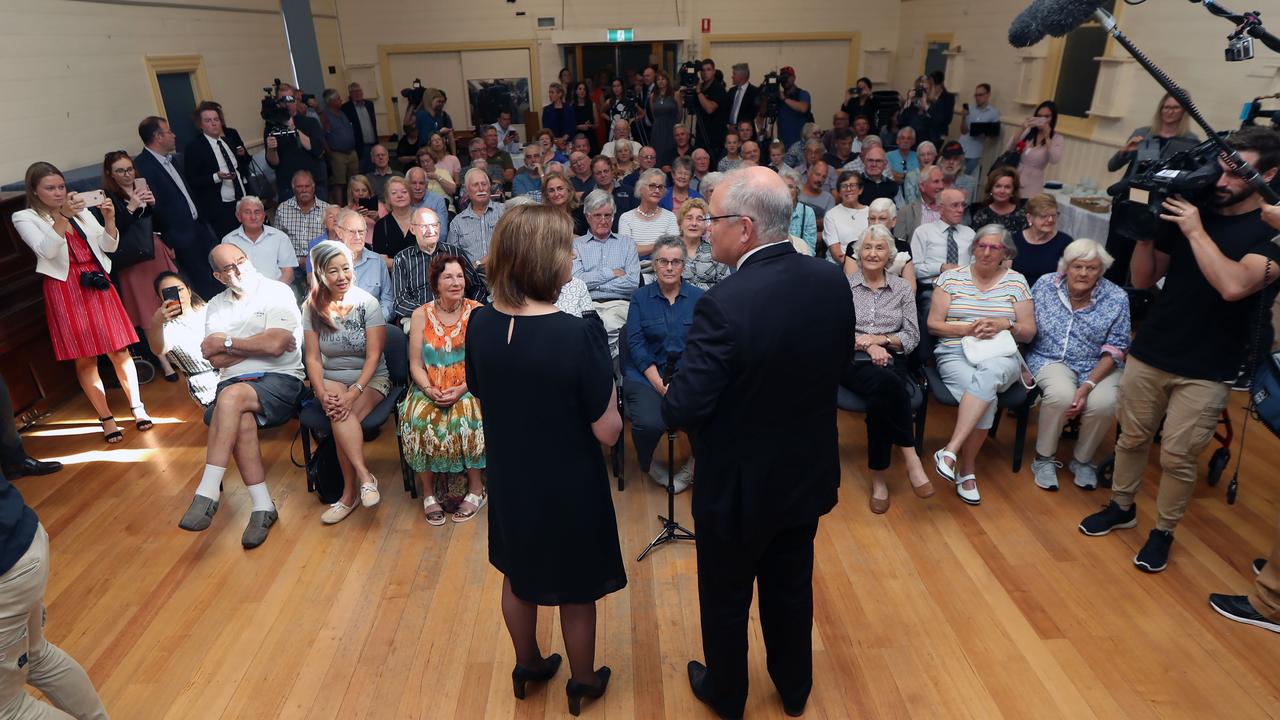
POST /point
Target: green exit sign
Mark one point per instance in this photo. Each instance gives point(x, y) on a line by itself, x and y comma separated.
point(620, 35)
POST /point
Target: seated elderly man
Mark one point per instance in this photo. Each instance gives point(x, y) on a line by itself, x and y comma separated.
point(607, 263)
point(876, 182)
point(420, 197)
point(951, 161)
point(529, 180)
point(368, 267)
point(621, 135)
point(646, 159)
point(269, 249)
point(410, 282)
point(924, 209)
point(480, 159)
point(494, 153)
point(472, 229)
point(623, 200)
point(750, 153)
point(253, 335)
point(943, 244)
point(580, 173)
point(301, 217)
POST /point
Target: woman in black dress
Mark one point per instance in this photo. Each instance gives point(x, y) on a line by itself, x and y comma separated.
point(552, 530)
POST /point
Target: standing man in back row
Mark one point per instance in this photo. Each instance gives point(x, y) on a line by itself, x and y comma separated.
point(758, 501)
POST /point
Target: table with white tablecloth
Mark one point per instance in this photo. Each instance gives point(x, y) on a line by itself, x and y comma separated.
point(1078, 222)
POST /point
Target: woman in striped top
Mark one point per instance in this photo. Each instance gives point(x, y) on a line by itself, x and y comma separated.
point(980, 300)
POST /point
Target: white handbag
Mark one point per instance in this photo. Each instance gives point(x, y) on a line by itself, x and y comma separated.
point(978, 351)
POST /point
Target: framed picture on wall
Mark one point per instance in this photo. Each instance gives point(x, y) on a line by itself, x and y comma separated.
point(494, 95)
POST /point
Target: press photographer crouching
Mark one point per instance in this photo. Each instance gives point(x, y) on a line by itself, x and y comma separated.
point(1195, 337)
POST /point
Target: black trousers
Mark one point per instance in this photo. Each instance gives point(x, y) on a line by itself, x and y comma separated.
point(223, 220)
point(11, 451)
point(888, 409)
point(783, 568)
point(644, 407)
point(191, 255)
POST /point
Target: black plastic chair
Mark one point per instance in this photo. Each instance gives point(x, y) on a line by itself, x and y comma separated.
point(917, 386)
point(315, 424)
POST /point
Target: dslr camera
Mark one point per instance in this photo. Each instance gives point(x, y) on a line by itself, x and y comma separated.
point(274, 113)
point(414, 93)
point(95, 280)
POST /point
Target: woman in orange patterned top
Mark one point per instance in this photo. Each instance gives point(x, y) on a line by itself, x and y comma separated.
point(439, 419)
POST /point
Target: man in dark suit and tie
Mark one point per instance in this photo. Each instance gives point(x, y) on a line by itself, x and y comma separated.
point(365, 122)
point(214, 170)
point(176, 217)
point(744, 98)
point(757, 392)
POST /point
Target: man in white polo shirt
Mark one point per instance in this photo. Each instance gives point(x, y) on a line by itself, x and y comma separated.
point(253, 335)
point(269, 249)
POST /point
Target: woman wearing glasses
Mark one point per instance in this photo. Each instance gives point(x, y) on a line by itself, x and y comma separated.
point(700, 270)
point(648, 222)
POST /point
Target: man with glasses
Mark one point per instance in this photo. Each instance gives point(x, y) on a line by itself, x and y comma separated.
point(253, 335)
point(529, 180)
point(369, 267)
point(623, 199)
point(269, 249)
point(645, 159)
point(410, 283)
point(876, 182)
point(607, 263)
point(982, 112)
point(472, 229)
point(943, 244)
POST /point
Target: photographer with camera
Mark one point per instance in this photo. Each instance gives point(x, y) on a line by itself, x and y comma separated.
point(794, 110)
point(929, 108)
point(294, 142)
point(860, 101)
point(1215, 262)
point(713, 107)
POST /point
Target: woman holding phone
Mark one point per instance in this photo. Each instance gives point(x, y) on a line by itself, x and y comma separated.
point(1040, 144)
point(85, 316)
point(133, 202)
point(176, 331)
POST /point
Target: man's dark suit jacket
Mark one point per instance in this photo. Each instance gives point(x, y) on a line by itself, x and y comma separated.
point(349, 109)
point(757, 393)
point(201, 164)
point(749, 108)
point(189, 238)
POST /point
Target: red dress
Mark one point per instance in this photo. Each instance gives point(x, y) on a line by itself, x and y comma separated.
point(84, 322)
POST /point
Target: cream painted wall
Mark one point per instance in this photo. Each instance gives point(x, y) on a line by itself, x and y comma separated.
point(76, 75)
point(1182, 38)
point(366, 24)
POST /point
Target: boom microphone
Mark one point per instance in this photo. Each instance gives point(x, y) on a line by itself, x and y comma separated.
point(1052, 17)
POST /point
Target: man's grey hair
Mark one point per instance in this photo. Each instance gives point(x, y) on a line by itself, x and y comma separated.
point(768, 207)
point(1086, 250)
point(709, 183)
point(621, 122)
point(928, 170)
point(328, 94)
point(909, 131)
point(421, 210)
point(249, 200)
point(346, 214)
point(994, 230)
point(671, 241)
point(419, 171)
point(743, 68)
point(597, 199)
point(926, 144)
point(811, 144)
point(519, 200)
point(301, 173)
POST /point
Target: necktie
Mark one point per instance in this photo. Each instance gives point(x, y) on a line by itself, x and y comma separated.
point(953, 250)
point(231, 167)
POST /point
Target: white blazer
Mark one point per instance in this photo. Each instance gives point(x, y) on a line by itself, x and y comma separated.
point(52, 256)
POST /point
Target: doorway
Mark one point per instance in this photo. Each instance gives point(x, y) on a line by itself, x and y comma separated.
point(177, 92)
point(588, 60)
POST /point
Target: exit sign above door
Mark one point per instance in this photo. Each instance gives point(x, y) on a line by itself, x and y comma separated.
point(619, 35)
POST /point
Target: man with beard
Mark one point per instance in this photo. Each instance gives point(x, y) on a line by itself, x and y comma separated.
point(1195, 337)
point(253, 335)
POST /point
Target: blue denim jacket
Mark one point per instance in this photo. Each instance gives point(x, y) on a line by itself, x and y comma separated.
point(656, 328)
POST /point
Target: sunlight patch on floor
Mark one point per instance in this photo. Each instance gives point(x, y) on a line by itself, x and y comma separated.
point(114, 456)
point(68, 428)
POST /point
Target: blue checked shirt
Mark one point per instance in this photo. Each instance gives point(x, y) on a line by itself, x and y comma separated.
point(595, 261)
point(1078, 338)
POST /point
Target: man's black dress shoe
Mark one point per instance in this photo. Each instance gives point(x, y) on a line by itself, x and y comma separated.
point(697, 678)
point(32, 466)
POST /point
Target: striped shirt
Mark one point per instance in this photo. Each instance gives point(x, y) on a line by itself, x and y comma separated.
point(968, 303)
point(410, 278)
point(299, 226)
point(644, 230)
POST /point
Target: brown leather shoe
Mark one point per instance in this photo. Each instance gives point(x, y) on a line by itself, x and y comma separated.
point(923, 491)
point(878, 506)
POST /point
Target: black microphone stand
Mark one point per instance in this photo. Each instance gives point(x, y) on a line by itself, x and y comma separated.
point(1229, 155)
point(671, 530)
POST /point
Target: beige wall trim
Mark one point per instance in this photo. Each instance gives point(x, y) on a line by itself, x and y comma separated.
point(386, 51)
point(182, 6)
point(853, 38)
point(194, 64)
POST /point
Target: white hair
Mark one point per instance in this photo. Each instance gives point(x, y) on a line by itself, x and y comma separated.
point(878, 232)
point(249, 200)
point(1010, 249)
point(709, 183)
point(768, 207)
point(1086, 250)
point(883, 205)
point(597, 199)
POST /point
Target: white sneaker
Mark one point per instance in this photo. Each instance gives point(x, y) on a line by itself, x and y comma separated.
point(1045, 473)
point(369, 495)
point(683, 479)
point(1086, 475)
point(336, 513)
point(659, 473)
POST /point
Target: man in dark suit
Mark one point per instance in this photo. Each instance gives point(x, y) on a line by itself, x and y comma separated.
point(214, 168)
point(760, 349)
point(365, 121)
point(176, 217)
point(744, 98)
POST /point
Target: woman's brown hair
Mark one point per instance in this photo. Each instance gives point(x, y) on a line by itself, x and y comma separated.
point(436, 269)
point(571, 203)
point(1004, 171)
point(1041, 204)
point(530, 252)
point(109, 182)
point(35, 173)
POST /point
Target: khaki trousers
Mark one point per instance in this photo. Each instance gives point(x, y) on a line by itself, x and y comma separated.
point(1190, 409)
point(1265, 597)
point(613, 314)
point(25, 655)
point(1058, 384)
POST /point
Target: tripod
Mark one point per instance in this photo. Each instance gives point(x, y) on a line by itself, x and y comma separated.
point(671, 530)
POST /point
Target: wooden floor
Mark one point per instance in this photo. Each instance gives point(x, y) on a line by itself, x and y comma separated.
point(935, 610)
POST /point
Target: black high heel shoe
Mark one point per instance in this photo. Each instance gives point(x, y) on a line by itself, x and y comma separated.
point(576, 690)
point(522, 675)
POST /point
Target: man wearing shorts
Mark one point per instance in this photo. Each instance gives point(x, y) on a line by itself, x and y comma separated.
point(253, 335)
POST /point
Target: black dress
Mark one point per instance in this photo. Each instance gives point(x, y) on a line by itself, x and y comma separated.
point(388, 239)
point(552, 529)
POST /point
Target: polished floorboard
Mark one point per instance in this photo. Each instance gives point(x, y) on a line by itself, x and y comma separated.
point(934, 610)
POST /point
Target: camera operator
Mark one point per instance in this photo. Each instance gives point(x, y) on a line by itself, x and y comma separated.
point(794, 111)
point(300, 147)
point(929, 108)
point(713, 108)
point(1193, 341)
point(860, 101)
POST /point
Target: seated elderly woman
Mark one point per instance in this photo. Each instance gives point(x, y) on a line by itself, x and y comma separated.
point(1083, 335)
point(1040, 244)
point(882, 212)
point(887, 329)
point(176, 331)
point(440, 422)
point(700, 270)
point(804, 222)
point(980, 301)
point(343, 335)
point(657, 326)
